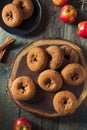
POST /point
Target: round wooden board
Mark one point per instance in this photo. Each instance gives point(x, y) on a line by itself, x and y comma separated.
point(42, 103)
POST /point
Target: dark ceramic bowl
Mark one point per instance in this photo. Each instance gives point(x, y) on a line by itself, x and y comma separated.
point(28, 25)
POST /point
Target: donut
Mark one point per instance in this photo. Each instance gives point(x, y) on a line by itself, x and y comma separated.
point(36, 59)
point(50, 80)
point(26, 6)
point(55, 57)
point(65, 102)
point(70, 55)
point(23, 88)
point(12, 15)
point(73, 74)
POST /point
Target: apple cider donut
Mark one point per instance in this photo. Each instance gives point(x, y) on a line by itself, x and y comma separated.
point(65, 102)
point(36, 59)
point(55, 57)
point(12, 15)
point(23, 88)
point(50, 80)
point(70, 55)
point(26, 6)
point(73, 74)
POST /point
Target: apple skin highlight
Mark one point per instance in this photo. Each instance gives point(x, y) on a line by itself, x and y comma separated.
point(68, 14)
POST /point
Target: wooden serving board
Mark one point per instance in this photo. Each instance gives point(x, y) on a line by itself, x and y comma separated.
point(42, 103)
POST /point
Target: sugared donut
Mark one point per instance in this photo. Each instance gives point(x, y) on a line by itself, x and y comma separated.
point(73, 74)
point(65, 102)
point(55, 57)
point(50, 80)
point(70, 55)
point(12, 15)
point(36, 59)
point(23, 88)
point(26, 6)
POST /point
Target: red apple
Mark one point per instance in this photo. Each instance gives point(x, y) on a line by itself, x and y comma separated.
point(22, 123)
point(82, 29)
point(68, 14)
point(60, 2)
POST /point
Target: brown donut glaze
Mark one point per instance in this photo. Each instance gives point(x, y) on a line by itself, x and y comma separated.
point(23, 88)
point(65, 102)
point(12, 15)
point(26, 6)
point(73, 74)
point(50, 80)
point(70, 55)
point(55, 57)
point(36, 59)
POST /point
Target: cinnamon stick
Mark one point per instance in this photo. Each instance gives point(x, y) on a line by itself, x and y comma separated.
point(2, 53)
point(4, 46)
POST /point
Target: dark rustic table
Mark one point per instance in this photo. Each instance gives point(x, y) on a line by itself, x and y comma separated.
point(50, 26)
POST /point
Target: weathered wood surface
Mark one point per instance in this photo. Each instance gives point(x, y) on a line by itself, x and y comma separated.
point(50, 26)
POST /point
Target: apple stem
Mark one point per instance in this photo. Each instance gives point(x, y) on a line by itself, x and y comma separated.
point(69, 10)
point(22, 128)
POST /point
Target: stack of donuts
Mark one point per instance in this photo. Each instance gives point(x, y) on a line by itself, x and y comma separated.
point(14, 13)
point(56, 66)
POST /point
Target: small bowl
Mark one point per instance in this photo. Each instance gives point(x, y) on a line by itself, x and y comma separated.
point(27, 26)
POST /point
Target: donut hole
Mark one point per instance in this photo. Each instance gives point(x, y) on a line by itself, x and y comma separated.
point(48, 82)
point(74, 76)
point(34, 58)
point(49, 57)
point(21, 4)
point(9, 15)
point(21, 86)
point(67, 57)
point(64, 101)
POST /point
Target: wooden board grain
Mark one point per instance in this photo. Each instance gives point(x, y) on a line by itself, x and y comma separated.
point(42, 103)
